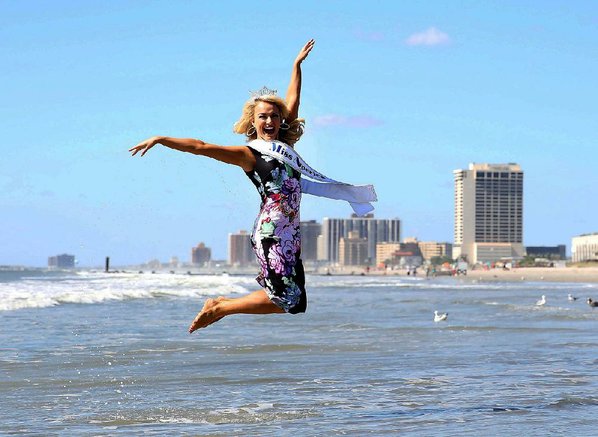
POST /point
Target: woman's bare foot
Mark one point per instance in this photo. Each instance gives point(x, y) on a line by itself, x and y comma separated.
point(213, 310)
point(209, 314)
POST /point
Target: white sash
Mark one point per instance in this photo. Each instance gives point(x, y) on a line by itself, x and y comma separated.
point(358, 196)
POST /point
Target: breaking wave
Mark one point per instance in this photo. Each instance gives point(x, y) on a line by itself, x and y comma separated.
point(89, 288)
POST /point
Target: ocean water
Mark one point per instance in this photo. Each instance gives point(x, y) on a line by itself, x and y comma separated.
point(109, 354)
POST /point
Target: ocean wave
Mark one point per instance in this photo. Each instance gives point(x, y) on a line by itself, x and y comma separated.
point(93, 288)
point(573, 401)
point(360, 281)
point(254, 413)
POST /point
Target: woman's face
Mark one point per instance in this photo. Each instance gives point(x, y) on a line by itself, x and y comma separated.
point(266, 120)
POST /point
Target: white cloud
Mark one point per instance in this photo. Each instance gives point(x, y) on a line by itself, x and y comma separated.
point(429, 37)
point(358, 121)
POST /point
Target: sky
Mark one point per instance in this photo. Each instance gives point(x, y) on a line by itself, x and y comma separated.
point(396, 94)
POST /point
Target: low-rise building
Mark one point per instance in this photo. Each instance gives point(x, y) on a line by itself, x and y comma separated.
point(385, 251)
point(63, 261)
point(402, 255)
point(432, 249)
point(353, 251)
point(548, 252)
point(409, 256)
point(584, 248)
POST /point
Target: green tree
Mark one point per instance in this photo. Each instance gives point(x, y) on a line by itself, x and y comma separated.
point(439, 260)
point(527, 261)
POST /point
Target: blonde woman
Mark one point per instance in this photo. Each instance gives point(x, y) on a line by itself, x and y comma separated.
point(271, 126)
point(275, 238)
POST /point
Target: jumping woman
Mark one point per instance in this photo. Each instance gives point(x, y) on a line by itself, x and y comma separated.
point(271, 126)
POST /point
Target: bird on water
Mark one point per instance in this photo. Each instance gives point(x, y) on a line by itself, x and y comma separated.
point(440, 317)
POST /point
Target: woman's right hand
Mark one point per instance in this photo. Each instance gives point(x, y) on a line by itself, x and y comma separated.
point(144, 146)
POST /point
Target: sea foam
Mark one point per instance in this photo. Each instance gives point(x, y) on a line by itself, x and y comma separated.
point(90, 288)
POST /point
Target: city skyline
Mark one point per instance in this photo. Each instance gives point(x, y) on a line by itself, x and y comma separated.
point(392, 227)
point(397, 96)
point(377, 234)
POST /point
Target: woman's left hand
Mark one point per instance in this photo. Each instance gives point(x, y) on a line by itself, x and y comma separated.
point(305, 51)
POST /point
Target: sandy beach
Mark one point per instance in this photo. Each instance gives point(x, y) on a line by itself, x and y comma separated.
point(566, 274)
point(521, 274)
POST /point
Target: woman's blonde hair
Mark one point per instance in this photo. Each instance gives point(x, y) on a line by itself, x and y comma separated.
point(289, 136)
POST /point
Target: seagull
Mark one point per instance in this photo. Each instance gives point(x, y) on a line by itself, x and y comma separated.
point(592, 302)
point(440, 317)
point(571, 298)
point(541, 301)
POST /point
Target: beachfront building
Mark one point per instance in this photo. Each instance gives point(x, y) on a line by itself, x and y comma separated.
point(63, 261)
point(240, 253)
point(367, 227)
point(584, 248)
point(432, 249)
point(548, 252)
point(408, 256)
point(353, 250)
point(310, 231)
point(385, 251)
point(488, 213)
point(200, 255)
point(405, 255)
point(153, 264)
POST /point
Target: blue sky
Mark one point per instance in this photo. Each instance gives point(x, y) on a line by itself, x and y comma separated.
point(398, 94)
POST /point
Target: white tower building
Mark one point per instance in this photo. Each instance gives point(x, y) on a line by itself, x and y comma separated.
point(489, 212)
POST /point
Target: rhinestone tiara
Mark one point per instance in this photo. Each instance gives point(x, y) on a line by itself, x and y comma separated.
point(265, 91)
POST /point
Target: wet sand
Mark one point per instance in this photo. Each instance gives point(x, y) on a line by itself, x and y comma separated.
point(535, 274)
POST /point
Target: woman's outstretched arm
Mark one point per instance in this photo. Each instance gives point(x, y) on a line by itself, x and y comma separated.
point(294, 89)
point(236, 155)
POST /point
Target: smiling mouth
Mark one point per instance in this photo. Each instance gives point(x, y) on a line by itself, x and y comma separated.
point(269, 130)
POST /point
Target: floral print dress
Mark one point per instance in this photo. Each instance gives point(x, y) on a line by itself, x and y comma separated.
point(276, 238)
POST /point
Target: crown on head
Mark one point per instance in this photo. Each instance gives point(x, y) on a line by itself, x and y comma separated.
point(265, 91)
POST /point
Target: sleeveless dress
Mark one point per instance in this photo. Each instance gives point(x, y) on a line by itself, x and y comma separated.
point(276, 238)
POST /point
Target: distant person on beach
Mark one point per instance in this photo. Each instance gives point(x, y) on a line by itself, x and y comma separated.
point(272, 126)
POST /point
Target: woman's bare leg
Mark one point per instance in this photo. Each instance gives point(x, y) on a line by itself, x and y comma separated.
point(213, 310)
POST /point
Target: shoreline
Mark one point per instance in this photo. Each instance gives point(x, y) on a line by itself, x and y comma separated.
point(535, 274)
point(519, 274)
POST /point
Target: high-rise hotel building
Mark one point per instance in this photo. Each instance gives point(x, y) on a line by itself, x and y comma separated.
point(200, 255)
point(240, 252)
point(310, 231)
point(488, 212)
point(373, 230)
